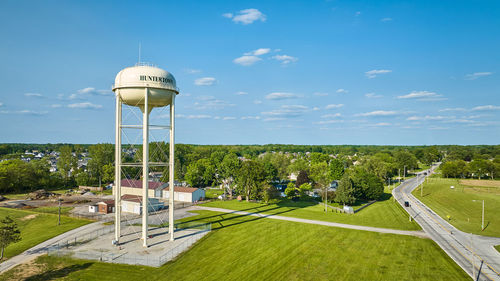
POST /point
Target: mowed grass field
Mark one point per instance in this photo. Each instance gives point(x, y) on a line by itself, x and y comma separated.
point(249, 248)
point(386, 213)
point(463, 203)
point(36, 227)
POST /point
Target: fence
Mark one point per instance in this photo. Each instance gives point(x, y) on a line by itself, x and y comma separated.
point(62, 248)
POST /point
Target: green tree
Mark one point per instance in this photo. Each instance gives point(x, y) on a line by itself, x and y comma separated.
point(9, 233)
point(101, 155)
point(304, 189)
point(269, 192)
point(345, 191)
point(250, 178)
point(290, 190)
point(201, 173)
point(301, 178)
point(320, 174)
point(66, 163)
point(405, 160)
point(336, 169)
point(229, 168)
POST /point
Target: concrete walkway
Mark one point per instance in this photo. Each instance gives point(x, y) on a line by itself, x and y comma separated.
point(41, 248)
point(420, 234)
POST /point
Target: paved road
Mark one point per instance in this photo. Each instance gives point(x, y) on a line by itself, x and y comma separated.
point(457, 244)
point(333, 224)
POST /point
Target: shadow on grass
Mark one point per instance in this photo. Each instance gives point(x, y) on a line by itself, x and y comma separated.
point(59, 273)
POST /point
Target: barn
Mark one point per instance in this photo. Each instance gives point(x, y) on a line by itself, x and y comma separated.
point(185, 194)
point(134, 187)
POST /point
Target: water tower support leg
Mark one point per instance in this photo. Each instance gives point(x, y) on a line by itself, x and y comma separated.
point(145, 168)
point(171, 170)
point(118, 154)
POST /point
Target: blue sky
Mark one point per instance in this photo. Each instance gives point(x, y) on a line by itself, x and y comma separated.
point(256, 72)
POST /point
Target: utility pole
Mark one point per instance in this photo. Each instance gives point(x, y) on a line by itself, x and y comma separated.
point(399, 175)
point(482, 221)
point(59, 212)
point(404, 173)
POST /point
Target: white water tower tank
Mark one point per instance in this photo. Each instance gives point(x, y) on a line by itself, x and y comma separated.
point(131, 82)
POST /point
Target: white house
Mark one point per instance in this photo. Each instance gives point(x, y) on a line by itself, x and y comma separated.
point(185, 194)
point(133, 204)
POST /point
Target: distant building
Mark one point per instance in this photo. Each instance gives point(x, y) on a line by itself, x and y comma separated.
point(185, 194)
point(133, 204)
point(106, 207)
point(134, 187)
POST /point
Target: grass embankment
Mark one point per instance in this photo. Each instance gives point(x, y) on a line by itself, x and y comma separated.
point(250, 248)
point(385, 213)
point(463, 203)
point(498, 248)
point(36, 227)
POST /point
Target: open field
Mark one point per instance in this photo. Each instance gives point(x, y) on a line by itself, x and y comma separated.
point(212, 193)
point(386, 213)
point(37, 227)
point(250, 248)
point(483, 183)
point(463, 204)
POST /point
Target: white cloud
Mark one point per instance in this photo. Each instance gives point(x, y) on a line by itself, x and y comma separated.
point(281, 96)
point(332, 106)
point(382, 124)
point(373, 73)
point(386, 19)
point(324, 122)
point(257, 101)
point(426, 118)
point(331, 115)
point(1, 103)
point(192, 71)
point(274, 119)
point(85, 105)
point(342, 91)
point(258, 52)
point(25, 112)
point(486, 107)
point(85, 92)
point(229, 118)
point(452, 109)
point(36, 95)
point(285, 59)
point(422, 96)
point(56, 105)
point(378, 113)
point(320, 94)
point(286, 111)
point(315, 108)
point(373, 96)
point(200, 116)
point(475, 75)
point(246, 16)
point(205, 81)
point(246, 60)
point(250, 118)
point(241, 93)
point(210, 102)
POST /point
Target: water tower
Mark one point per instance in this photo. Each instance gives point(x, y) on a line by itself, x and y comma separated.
point(146, 87)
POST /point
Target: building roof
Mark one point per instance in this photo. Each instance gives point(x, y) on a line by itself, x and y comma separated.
point(132, 198)
point(138, 184)
point(183, 189)
point(107, 202)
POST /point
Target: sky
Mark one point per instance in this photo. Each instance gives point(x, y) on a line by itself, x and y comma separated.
point(257, 72)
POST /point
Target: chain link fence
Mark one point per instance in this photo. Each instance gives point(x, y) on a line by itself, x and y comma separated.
point(66, 247)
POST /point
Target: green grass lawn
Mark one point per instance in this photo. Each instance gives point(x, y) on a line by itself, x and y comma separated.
point(37, 227)
point(386, 213)
point(53, 210)
point(459, 205)
point(250, 248)
point(211, 193)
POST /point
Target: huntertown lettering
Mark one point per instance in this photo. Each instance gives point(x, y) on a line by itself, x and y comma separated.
point(156, 79)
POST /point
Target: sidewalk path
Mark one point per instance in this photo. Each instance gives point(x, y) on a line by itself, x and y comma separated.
point(41, 248)
point(420, 234)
